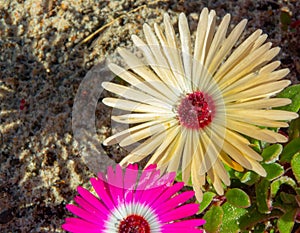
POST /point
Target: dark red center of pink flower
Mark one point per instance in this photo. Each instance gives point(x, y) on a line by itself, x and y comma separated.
point(195, 110)
point(134, 224)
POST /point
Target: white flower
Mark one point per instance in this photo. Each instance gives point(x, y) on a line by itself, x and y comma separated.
point(193, 106)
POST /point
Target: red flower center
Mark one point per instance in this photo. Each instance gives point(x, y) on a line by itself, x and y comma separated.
point(134, 224)
point(195, 110)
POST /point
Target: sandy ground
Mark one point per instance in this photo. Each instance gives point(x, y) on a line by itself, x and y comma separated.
point(43, 61)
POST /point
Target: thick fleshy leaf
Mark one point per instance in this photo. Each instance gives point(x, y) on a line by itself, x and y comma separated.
point(214, 218)
point(231, 219)
point(271, 153)
point(238, 198)
point(249, 178)
point(207, 199)
point(293, 93)
point(295, 163)
point(294, 129)
point(275, 185)
point(274, 170)
point(286, 222)
point(289, 150)
point(262, 196)
point(253, 217)
point(288, 198)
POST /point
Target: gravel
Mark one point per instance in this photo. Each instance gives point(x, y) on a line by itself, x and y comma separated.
point(45, 53)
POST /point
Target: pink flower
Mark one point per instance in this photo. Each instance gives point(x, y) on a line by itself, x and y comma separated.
point(133, 203)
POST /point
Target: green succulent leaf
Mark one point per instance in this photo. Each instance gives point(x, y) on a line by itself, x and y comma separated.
point(271, 153)
point(248, 177)
point(293, 93)
point(213, 219)
point(290, 150)
point(262, 195)
point(295, 163)
point(275, 185)
point(238, 198)
point(253, 217)
point(287, 198)
point(231, 219)
point(207, 199)
point(286, 221)
point(285, 18)
point(274, 170)
point(294, 129)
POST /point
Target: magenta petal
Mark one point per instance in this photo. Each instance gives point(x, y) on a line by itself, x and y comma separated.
point(92, 200)
point(167, 194)
point(175, 202)
point(180, 212)
point(77, 225)
point(103, 193)
point(90, 208)
point(152, 191)
point(184, 226)
point(88, 217)
point(115, 183)
point(130, 183)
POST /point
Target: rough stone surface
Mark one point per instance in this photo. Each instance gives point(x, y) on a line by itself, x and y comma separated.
point(42, 64)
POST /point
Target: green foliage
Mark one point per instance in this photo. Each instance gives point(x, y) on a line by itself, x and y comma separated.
point(238, 198)
point(231, 219)
point(295, 163)
point(213, 219)
point(289, 150)
point(286, 221)
point(293, 93)
point(271, 153)
point(259, 204)
point(207, 199)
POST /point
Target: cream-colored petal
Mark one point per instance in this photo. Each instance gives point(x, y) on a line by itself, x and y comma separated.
point(248, 64)
point(211, 144)
point(276, 115)
point(221, 172)
point(259, 104)
point(236, 154)
point(204, 36)
point(188, 153)
point(217, 41)
point(142, 117)
point(170, 135)
point(136, 136)
point(197, 180)
point(237, 55)
point(186, 48)
point(116, 138)
point(137, 82)
point(227, 45)
point(174, 153)
point(260, 121)
point(243, 147)
point(171, 51)
point(129, 105)
point(258, 168)
point(135, 95)
point(142, 70)
point(268, 68)
point(261, 91)
point(255, 132)
point(259, 42)
point(254, 80)
point(156, 59)
point(216, 181)
point(229, 162)
point(143, 150)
